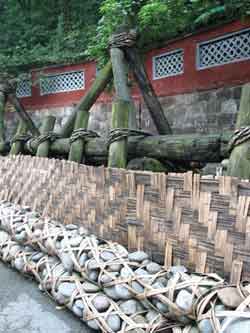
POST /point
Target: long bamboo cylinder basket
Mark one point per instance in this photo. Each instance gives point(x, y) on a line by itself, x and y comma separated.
point(200, 222)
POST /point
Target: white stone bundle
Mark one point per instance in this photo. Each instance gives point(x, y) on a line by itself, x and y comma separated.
point(225, 310)
point(131, 280)
point(84, 299)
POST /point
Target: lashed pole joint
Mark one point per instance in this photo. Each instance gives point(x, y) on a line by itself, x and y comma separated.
point(123, 109)
point(126, 41)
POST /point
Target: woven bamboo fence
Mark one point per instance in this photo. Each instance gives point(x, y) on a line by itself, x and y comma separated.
point(203, 223)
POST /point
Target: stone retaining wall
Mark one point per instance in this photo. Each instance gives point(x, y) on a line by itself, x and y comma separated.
point(199, 112)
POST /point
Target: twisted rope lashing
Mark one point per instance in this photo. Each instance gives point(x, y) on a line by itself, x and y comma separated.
point(123, 40)
point(82, 133)
point(24, 138)
point(51, 137)
point(239, 137)
point(118, 134)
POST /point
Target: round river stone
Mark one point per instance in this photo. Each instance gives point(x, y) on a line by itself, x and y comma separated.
point(184, 300)
point(67, 261)
point(153, 268)
point(129, 307)
point(114, 322)
point(111, 292)
point(90, 287)
point(122, 291)
point(138, 256)
point(126, 272)
point(238, 326)
point(107, 256)
point(83, 258)
point(66, 289)
point(101, 303)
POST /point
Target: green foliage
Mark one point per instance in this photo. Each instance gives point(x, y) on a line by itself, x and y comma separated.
point(48, 31)
point(161, 19)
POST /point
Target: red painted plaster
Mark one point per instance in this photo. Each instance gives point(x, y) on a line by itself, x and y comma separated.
point(197, 80)
point(37, 101)
point(191, 80)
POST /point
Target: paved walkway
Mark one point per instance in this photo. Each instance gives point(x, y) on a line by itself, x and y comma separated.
point(24, 309)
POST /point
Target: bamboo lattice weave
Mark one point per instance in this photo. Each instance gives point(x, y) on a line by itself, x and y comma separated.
point(202, 223)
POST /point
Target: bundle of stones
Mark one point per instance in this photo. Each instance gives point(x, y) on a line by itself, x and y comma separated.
point(136, 287)
point(84, 299)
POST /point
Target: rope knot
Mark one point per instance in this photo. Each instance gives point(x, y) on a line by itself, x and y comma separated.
point(240, 136)
point(118, 134)
point(23, 138)
point(82, 133)
point(123, 39)
point(50, 136)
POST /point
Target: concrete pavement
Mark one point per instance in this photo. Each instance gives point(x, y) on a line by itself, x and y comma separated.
point(24, 309)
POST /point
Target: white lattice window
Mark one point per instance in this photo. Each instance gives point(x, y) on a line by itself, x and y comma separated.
point(224, 50)
point(68, 81)
point(24, 88)
point(168, 64)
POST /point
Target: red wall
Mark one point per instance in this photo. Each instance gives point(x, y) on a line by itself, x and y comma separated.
point(38, 101)
point(196, 80)
point(191, 80)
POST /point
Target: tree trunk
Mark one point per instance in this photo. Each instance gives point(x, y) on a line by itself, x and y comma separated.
point(47, 126)
point(190, 147)
point(118, 149)
point(239, 162)
point(77, 147)
point(120, 74)
point(23, 114)
point(18, 146)
point(151, 100)
point(89, 99)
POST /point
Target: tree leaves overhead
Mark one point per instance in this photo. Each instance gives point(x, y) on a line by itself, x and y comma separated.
point(39, 32)
point(158, 20)
point(47, 31)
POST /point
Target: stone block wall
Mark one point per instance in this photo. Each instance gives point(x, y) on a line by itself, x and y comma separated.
point(199, 112)
point(37, 116)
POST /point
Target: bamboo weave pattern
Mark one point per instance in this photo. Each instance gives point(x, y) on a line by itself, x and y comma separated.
point(203, 223)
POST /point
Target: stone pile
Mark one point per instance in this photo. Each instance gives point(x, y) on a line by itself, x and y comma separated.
point(108, 282)
point(84, 299)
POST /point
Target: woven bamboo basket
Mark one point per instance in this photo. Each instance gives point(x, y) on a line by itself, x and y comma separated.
point(202, 223)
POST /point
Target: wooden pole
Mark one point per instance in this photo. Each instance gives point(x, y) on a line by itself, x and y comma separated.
point(188, 147)
point(118, 149)
point(23, 114)
point(77, 147)
point(2, 112)
point(120, 74)
point(151, 100)
point(47, 127)
point(123, 110)
point(239, 161)
point(18, 146)
point(89, 99)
